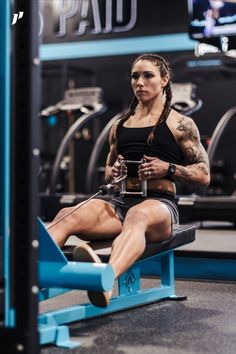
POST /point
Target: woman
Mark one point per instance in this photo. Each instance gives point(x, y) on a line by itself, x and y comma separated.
point(170, 145)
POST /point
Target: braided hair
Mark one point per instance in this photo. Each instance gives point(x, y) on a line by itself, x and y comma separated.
point(164, 70)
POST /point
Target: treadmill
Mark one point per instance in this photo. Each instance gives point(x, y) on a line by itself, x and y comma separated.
point(210, 208)
point(88, 102)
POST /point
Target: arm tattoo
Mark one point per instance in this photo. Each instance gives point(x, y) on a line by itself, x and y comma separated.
point(187, 127)
point(190, 142)
point(194, 152)
point(189, 174)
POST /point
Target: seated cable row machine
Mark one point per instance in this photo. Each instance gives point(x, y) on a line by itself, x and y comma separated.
point(58, 272)
point(57, 275)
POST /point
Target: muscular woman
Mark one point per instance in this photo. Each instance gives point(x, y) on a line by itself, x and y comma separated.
point(170, 145)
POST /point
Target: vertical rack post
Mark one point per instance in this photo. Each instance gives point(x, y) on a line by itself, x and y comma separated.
point(5, 45)
point(20, 332)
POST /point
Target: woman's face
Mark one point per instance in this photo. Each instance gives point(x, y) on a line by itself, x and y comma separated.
point(146, 80)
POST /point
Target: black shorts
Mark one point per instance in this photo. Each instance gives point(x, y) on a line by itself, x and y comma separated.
point(123, 204)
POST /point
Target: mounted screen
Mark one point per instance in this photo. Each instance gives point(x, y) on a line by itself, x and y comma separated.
point(212, 18)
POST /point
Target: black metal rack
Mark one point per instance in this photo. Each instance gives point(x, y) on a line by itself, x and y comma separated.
point(22, 335)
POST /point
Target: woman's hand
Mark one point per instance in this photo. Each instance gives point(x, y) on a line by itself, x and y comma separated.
point(115, 170)
point(152, 168)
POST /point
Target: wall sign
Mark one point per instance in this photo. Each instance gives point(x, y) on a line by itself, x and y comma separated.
point(82, 19)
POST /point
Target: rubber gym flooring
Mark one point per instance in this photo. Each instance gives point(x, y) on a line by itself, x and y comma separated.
point(204, 323)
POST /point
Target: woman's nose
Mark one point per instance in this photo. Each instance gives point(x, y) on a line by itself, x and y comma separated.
point(140, 80)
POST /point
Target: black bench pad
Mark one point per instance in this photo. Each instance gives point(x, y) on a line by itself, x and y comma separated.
point(184, 235)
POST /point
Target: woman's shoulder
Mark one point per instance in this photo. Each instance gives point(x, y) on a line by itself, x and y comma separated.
point(115, 124)
point(178, 119)
point(113, 130)
point(180, 124)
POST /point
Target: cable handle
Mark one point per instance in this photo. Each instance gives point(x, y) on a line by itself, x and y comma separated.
point(106, 187)
point(143, 160)
point(124, 164)
point(123, 169)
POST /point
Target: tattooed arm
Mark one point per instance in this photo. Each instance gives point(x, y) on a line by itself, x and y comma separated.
point(197, 170)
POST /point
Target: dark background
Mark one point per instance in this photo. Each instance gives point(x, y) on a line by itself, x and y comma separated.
point(215, 85)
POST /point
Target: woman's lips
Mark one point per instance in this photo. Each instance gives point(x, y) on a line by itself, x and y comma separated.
point(140, 92)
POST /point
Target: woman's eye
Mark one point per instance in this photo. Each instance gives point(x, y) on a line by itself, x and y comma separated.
point(135, 76)
point(145, 75)
point(148, 75)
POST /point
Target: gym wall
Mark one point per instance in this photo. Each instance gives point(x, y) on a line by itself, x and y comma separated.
point(154, 26)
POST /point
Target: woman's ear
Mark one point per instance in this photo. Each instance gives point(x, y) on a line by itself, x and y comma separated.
point(165, 80)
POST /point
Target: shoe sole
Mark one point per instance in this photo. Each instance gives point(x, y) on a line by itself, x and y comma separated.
point(84, 253)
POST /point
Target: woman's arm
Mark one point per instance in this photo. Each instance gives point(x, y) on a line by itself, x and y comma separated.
point(197, 170)
point(110, 169)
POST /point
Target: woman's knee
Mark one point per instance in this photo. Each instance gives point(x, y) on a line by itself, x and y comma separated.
point(63, 212)
point(157, 225)
point(138, 214)
point(167, 231)
point(160, 232)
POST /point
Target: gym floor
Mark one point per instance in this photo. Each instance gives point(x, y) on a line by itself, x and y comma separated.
point(204, 323)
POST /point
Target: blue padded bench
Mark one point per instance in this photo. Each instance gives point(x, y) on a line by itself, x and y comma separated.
point(184, 235)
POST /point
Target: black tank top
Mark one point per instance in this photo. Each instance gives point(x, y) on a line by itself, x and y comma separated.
point(132, 144)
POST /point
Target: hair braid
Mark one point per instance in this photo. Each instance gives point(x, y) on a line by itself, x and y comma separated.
point(165, 112)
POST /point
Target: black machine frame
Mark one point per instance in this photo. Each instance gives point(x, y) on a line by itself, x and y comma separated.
point(22, 335)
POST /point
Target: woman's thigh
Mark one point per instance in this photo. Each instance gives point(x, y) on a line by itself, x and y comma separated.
point(94, 220)
point(155, 216)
